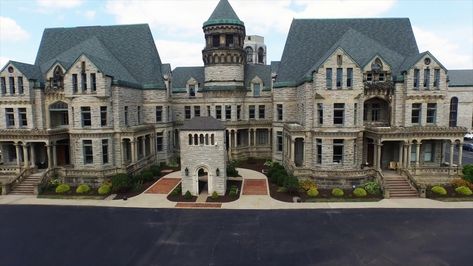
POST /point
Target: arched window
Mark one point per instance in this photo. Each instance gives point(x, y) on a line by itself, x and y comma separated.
point(206, 139)
point(201, 139)
point(190, 139)
point(58, 77)
point(249, 54)
point(212, 139)
point(196, 139)
point(453, 112)
point(261, 55)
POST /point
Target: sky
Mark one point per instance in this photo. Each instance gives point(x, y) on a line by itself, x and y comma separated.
point(445, 28)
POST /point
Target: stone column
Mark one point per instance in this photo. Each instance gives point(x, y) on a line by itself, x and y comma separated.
point(133, 150)
point(292, 151)
point(18, 159)
point(417, 154)
point(26, 162)
point(254, 137)
point(236, 138)
point(249, 137)
point(452, 146)
point(401, 155)
point(409, 152)
point(49, 155)
point(33, 156)
point(460, 154)
point(54, 154)
point(143, 145)
point(378, 156)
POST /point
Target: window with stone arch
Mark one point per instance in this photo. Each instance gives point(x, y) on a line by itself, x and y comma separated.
point(206, 139)
point(261, 55)
point(190, 139)
point(249, 54)
point(212, 139)
point(196, 139)
point(58, 77)
point(201, 137)
point(453, 112)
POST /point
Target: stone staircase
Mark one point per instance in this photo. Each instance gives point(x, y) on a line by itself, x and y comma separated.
point(398, 186)
point(26, 187)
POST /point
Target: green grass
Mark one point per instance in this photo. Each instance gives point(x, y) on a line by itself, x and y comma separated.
point(72, 197)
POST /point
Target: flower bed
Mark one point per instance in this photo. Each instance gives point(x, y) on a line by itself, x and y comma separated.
point(227, 197)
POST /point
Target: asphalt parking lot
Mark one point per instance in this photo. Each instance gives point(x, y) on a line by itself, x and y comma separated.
point(59, 235)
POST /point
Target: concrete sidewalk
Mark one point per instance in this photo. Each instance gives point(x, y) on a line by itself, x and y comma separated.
point(264, 202)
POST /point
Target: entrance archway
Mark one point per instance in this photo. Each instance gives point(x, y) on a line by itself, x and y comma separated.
point(203, 178)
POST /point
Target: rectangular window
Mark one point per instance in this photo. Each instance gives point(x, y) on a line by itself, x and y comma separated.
point(339, 78)
point(375, 112)
point(3, 85)
point(381, 77)
point(86, 116)
point(83, 80)
point(431, 113)
point(192, 90)
point(74, 83)
point(21, 89)
point(262, 137)
point(22, 117)
point(319, 151)
point(93, 80)
point(416, 113)
point(349, 77)
point(355, 114)
point(159, 141)
point(413, 152)
point(280, 112)
point(208, 111)
point(369, 77)
point(11, 80)
point(159, 114)
point(338, 150)
point(338, 113)
point(328, 78)
point(196, 111)
point(103, 116)
point(238, 112)
point(88, 152)
point(10, 117)
point(256, 89)
point(187, 112)
point(228, 112)
point(229, 40)
point(216, 40)
point(279, 140)
point(428, 152)
point(251, 112)
point(218, 112)
point(261, 111)
point(105, 151)
point(416, 79)
point(126, 115)
point(437, 78)
point(320, 113)
point(426, 78)
point(139, 114)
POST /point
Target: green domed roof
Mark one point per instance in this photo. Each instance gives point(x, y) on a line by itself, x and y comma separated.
point(223, 14)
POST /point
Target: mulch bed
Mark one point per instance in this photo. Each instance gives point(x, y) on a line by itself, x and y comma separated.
point(226, 197)
point(325, 195)
point(132, 193)
point(179, 197)
point(451, 193)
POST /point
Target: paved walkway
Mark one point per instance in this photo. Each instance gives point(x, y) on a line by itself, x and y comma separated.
point(156, 197)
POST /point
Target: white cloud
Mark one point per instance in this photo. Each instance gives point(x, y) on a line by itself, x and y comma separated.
point(11, 31)
point(90, 14)
point(3, 61)
point(451, 49)
point(58, 4)
point(180, 53)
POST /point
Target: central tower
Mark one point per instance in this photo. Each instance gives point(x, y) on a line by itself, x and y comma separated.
point(223, 55)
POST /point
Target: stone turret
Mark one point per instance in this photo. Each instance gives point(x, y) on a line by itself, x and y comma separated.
point(224, 56)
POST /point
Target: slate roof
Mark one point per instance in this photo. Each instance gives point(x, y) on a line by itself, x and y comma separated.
point(223, 14)
point(30, 71)
point(275, 67)
point(262, 71)
point(311, 41)
point(203, 123)
point(460, 78)
point(126, 52)
point(180, 76)
point(166, 69)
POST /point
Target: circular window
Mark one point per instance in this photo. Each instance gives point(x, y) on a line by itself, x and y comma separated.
point(10, 69)
point(427, 61)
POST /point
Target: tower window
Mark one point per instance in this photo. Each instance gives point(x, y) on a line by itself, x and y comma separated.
point(249, 54)
point(216, 41)
point(229, 40)
point(261, 55)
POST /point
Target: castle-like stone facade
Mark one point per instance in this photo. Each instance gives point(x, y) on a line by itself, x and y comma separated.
point(349, 99)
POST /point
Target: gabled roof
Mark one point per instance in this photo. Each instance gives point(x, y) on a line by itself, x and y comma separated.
point(460, 78)
point(262, 71)
point(310, 40)
point(413, 59)
point(126, 52)
point(203, 123)
point(30, 71)
point(223, 14)
point(180, 76)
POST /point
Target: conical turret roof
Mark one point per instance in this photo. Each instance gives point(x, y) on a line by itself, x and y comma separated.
point(223, 14)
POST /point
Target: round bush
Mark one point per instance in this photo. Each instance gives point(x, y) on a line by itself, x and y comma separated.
point(307, 184)
point(373, 188)
point(336, 192)
point(62, 188)
point(82, 189)
point(313, 192)
point(359, 192)
point(233, 193)
point(187, 195)
point(439, 190)
point(466, 191)
point(121, 183)
point(104, 189)
point(214, 195)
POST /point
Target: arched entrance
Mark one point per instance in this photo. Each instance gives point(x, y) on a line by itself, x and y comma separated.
point(203, 180)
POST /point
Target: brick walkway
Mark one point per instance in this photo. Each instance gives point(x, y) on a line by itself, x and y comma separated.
point(163, 186)
point(255, 187)
point(198, 205)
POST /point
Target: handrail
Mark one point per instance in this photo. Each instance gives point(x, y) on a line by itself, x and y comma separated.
point(379, 178)
point(45, 177)
point(420, 188)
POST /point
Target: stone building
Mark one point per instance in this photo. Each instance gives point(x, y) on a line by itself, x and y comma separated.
point(349, 99)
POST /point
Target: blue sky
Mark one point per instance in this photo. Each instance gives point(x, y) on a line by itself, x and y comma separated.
point(445, 28)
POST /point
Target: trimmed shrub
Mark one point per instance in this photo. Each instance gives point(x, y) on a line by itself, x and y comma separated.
point(82, 189)
point(156, 170)
point(312, 192)
point(336, 192)
point(231, 170)
point(63, 188)
point(359, 192)
point(121, 183)
point(468, 172)
point(280, 178)
point(458, 182)
point(466, 191)
point(214, 195)
point(291, 183)
point(439, 190)
point(147, 176)
point(372, 187)
point(307, 184)
point(104, 189)
point(188, 195)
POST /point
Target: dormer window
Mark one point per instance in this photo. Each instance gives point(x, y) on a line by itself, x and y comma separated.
point(339, 60)
point(256, 89)
point(58, 78)
point(192, 90)
point(377, 73)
